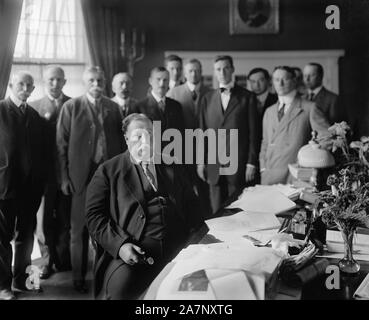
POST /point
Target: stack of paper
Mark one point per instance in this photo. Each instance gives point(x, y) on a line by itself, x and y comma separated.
point(231, 228)
point(263, 200)
point(220, 271)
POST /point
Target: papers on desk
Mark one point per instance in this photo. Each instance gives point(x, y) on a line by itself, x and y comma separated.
point(230, 271)
point(263, 199)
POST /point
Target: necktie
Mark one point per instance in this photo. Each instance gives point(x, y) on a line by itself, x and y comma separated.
point(311, 96)
point(161, 105)
point(281, 112)
point(224, 90)
point(22, 108)
point(150, 177)
point(194, 95)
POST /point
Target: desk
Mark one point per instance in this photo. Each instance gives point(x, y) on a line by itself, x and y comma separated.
point(314, 290)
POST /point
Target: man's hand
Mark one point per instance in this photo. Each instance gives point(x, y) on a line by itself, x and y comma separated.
point(250, 173)
point(67, 187)
point(131, 254)
point(201, 172)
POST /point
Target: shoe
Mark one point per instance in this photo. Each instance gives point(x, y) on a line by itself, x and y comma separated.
point(80, 286)
point(22, 289)
point(46, 272)
point(6, 294)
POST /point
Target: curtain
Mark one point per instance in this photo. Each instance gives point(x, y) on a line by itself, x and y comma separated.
point(10, 13)
point(103, 36)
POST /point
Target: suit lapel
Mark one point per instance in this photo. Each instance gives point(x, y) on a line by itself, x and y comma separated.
point(132, 180)
point(233, 102)
point(294, 110)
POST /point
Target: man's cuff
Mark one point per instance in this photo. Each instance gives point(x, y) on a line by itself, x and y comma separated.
point(262, 169)
point(249, 165)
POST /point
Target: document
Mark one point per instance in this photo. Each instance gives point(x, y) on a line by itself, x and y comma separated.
point(263, 201)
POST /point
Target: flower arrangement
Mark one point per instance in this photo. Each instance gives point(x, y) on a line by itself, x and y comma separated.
point(346, 204)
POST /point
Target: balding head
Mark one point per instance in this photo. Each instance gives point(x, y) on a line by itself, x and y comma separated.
point(122, 85)
point(21, 85)
point(54, 79)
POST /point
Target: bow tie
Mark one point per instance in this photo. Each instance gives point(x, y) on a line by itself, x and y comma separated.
point(226, 90)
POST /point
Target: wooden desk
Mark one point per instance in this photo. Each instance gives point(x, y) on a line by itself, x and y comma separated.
point(314, 290)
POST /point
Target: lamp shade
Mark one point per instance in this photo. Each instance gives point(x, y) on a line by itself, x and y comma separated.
point(313, 155)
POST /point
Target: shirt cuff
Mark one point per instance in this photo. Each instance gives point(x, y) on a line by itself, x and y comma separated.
point(249, 165)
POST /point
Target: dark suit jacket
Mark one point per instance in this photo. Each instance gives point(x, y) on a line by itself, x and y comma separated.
point(116, 208)
point(19, 161)
point(76, 135)
point(173, 114)
point(183, 95)
point(328, 103)
point(131, 103)
point(271, 99)
point(45, 108)
point(240, 114)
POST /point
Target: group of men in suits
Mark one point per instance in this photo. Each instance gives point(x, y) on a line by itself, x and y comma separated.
point(134, 209)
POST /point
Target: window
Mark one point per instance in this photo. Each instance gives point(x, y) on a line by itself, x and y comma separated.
point(50, 30)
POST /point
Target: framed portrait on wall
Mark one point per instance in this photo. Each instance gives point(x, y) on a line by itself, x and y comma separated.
point(253, 16)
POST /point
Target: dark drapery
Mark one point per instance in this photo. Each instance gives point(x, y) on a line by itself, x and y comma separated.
point(103, 36)
point(10, 13)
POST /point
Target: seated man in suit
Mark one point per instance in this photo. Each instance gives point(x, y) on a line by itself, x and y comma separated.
point(157, 106)
point(327, 101)
point(287, 126)
point(139, 213)
point(122, 87)
point(174, 65)
point(259, 80)
point(53, 217)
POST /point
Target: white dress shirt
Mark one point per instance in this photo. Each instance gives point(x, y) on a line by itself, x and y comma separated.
point(226, 95)
point(15, 100)
point(286, 100)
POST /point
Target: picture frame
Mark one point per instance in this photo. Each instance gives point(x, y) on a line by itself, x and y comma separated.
point(254, 16)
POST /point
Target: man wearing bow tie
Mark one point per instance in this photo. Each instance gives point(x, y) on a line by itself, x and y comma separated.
point(140, 213)
point(54, 214)
point(230, 107)
point(122, 87)
point(88, 133)
point(22, 178)
point(157, 106)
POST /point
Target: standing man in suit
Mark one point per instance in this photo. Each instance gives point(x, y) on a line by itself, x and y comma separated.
point(54, 213)
point(259, 80)
point(174, 65)
point(122, 87)
point(230, 107)
point(88, 133)
point(287, 126)
point(157, 106)
point(139, 212)
point(189, 96)
point(190, 93)
point(22, 179)
point(326, 100)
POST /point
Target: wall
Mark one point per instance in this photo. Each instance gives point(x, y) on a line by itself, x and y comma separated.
point(203, 25)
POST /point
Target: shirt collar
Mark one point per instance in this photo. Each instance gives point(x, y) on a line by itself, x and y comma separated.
point(15, 100)
point(193, 87)
point(157, 98)
point(172, 84)
point(121, 101)
point(59, 99)
point(227, 86)
point(315, 91)
point(92, 99)
point(288, 98)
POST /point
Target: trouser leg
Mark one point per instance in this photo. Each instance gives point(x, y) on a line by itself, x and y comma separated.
point(7, 221)
point(24, 235)
point(79, 237)
point(63, 207)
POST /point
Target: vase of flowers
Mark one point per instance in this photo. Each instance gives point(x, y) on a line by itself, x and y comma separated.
point(346, 204)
